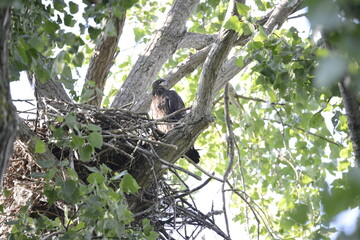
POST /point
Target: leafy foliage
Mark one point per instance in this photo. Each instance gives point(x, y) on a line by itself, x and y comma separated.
point(94, 209)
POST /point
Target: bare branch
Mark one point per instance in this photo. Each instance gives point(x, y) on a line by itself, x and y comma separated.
point(280, 14)
point(103, 58)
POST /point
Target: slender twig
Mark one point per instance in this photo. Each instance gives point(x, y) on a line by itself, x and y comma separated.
point(258, 100)
point(129, 135)
point(203, 170)
point(194, 189)
point(230, 152)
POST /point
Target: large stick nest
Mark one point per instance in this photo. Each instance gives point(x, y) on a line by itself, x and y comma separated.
point(128, 141)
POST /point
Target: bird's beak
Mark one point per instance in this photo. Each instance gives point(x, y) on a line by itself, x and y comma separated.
point(164, 84)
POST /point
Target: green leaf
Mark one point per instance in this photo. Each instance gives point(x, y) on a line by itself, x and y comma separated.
point(128, 184)
point(127, 4)
point(94, 33)
point(36, 43)
point(42, 74)
point(93, 127)
point(261, 35)
point(38, 174)
point(51, 27)
point(242, 9)
point(233, 23)
point(299, 213)
point(74, 8)
point(71, 121)
point(246, 28)
point(85, 153)
point(139, 34)
point(59, 5)
point(60, 119)
point(70, 191)
point(344, 153)
point(69, 20)
point(40, 146)
point(306, 179)
point(239, 61)
point(76, 142)
point(95, 139)
point(316, 120)
point(46, 163)
point(51, 194)
point(96, 178)
point(78, 59)
point(343, 165)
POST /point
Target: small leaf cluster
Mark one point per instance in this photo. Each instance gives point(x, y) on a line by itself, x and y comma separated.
point(83, 138)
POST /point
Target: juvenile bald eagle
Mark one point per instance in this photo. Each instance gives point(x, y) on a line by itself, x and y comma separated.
point(165, 102)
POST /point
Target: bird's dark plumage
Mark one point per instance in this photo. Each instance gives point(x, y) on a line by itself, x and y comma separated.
point(165, 102)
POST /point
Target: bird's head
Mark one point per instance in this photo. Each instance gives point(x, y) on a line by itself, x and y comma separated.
point(160, 84)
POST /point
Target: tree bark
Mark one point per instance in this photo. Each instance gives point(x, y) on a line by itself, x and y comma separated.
point(353, 115)
point(103, 59)
point(8, 120)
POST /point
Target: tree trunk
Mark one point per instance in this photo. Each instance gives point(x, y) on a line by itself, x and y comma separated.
point(353, 115)
point(8, 120)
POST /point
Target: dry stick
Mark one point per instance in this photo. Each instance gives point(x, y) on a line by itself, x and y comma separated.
point(129, 135)
point(230, 142)
point(194, 189)
point(202, 219)
point(118, 150)
point(203, 170)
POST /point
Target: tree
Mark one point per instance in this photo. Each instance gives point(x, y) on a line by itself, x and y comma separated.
point(8, 125)
point(261, 125)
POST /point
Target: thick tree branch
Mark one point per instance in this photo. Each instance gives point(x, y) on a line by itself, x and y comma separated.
point(197, 40)
point(103, 58)
point(280, 14)
point(353, 115)
point(219, 52)
point(8, 123)
point(160, 48)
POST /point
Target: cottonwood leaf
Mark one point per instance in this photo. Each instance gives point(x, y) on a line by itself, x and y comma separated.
point(128, 184)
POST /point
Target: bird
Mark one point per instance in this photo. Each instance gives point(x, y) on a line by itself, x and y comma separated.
point(165, 102)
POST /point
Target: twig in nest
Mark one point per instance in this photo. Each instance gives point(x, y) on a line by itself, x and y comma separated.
point(119, 150)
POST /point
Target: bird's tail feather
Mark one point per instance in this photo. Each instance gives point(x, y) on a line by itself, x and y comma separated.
point(193, 154)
